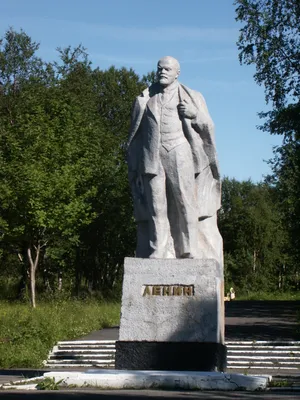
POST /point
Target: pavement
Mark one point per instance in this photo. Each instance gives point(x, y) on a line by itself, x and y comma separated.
point(262, 320)
point(97, 394)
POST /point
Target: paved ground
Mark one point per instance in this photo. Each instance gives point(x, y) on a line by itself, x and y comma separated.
point(88, 394)
point(262, 320)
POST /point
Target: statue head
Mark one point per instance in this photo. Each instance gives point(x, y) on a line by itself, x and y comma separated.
point(168, 70)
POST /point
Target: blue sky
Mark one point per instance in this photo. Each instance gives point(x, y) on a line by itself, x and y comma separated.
point(201, 34)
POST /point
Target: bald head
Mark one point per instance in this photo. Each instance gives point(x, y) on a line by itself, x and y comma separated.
point(168, 70)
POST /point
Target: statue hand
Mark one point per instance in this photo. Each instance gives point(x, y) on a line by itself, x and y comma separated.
point(187, 110)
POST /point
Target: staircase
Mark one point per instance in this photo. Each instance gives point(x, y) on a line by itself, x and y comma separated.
point(81, 354)
point(241, 355)
point(263, 355)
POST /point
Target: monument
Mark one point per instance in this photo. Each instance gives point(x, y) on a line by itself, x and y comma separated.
point(172, 315)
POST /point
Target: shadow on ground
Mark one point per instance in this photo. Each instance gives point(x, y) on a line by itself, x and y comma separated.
point(262, 320)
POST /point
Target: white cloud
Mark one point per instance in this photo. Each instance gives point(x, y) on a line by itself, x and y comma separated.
point(163, 33)
point(208, 59)
point(224, 85)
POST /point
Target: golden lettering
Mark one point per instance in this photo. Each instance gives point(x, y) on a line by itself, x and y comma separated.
point(188, 290)
point(167, 290)
point(156, 291)
point(177, 290)
point(147, 290)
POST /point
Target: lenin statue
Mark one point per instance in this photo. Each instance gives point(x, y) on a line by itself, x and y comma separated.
point(173, 170)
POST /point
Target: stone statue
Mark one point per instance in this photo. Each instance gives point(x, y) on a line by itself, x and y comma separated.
point(173, 170)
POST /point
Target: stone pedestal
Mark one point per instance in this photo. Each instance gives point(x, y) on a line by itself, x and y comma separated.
point(172, 315)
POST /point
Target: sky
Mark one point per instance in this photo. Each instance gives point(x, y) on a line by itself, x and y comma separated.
point(201, 34)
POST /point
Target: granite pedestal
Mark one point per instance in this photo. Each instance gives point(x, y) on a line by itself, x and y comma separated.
point(172, 316)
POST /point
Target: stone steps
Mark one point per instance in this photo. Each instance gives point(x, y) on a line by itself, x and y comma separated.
point(241, 355)
point(85, 353)
point(263, 355)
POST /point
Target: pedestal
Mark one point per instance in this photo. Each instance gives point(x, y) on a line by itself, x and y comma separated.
point(172, 315)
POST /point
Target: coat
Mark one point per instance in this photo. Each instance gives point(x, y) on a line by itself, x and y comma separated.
point(144, 143)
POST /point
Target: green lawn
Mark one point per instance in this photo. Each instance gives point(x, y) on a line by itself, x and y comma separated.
point(268, 296)
point(27, 335)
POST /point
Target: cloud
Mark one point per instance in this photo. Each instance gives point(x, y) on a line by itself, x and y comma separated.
point(187, 56)
point(227, 85)
point(221, 86)
point(208, 59)
point(164, 33)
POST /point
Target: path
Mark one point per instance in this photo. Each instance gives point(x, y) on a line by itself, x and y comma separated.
point(262, 320)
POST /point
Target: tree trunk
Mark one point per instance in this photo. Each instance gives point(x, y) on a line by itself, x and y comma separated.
point(279, 280)
point(24, 280)
point(254, 260)
point(33, 267)
point(60, 281)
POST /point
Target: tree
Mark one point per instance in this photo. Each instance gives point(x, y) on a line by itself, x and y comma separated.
point(65, 200)
point(111, 236)
point(50, 154)
point(270, 39)
point(253, 234)
point(47, 173)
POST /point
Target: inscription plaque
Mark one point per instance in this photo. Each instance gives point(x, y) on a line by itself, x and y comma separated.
point(168, 290)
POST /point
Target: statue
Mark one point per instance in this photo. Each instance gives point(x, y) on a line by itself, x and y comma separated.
point(173, 170)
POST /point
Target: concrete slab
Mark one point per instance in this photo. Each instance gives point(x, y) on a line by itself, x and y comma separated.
point(181, 380)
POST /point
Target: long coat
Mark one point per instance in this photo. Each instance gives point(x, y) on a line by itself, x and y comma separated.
point(144, 143)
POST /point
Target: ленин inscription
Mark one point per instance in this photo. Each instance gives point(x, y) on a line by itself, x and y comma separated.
point(168, 290)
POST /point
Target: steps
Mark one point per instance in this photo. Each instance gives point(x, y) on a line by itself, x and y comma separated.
point(241, 355)
point(263, 355)
point(81, 354)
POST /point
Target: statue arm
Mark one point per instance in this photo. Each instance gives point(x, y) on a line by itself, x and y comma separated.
point(195, 109)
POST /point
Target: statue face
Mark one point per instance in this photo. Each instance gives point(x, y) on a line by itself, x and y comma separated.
point(167, 71)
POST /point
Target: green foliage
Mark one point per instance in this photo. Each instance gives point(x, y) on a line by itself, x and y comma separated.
point(18, 62)
point(49, 384)
point(267, 296)
point(65, 202)
point(254, 236)
point(286, 179)
point(27, 335)
point(270, 39)
point(66, 219)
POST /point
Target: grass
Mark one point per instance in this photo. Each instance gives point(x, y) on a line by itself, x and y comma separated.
point(27, 335)
point(268, 296)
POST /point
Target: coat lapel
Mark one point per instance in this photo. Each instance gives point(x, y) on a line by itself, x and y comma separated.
point(152, 108)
